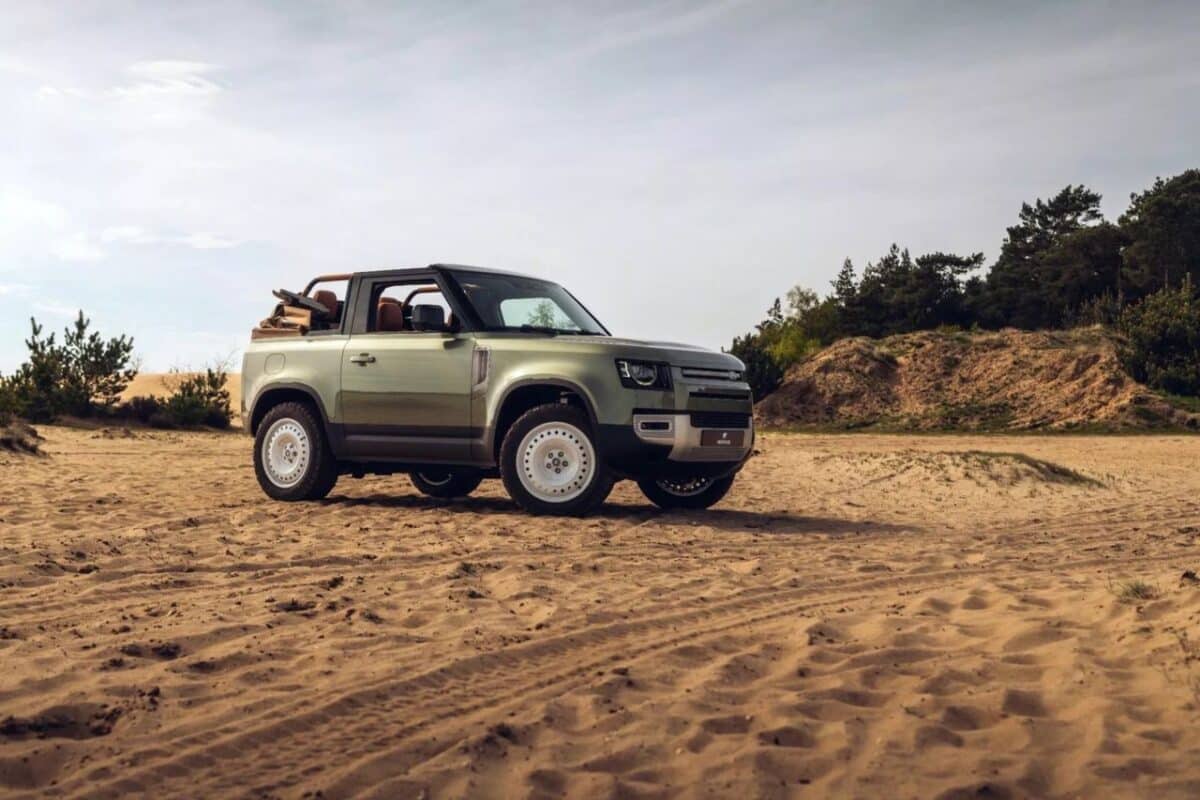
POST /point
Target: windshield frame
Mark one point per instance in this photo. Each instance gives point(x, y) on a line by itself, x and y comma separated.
point(457, 276)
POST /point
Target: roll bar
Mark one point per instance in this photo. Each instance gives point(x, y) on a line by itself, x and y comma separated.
point(341, 276)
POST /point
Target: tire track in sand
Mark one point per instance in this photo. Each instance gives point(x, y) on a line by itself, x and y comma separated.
point(472, 684)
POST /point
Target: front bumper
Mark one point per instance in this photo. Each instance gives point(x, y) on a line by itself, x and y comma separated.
point(692, 443)
point(670, 445)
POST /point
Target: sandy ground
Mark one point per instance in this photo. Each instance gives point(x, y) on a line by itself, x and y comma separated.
point(864, 616)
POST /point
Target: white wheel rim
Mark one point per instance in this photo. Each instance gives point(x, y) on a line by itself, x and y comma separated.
point(556, 462)
point(285, 452)
point(685, 488)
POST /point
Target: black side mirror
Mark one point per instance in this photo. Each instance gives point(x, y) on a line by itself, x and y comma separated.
point(428, 318)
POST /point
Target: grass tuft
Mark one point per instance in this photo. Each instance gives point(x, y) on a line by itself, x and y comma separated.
point(1136, 591)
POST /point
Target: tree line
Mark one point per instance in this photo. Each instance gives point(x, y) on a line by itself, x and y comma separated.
point(1061, 265)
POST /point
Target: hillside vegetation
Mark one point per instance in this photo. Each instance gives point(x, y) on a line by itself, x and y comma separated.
point(1060, 266)
point(1003, 380)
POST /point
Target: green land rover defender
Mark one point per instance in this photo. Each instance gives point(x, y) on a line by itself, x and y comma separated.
point(454, 374)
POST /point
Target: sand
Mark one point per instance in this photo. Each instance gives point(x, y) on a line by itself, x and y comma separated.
point(864, 616)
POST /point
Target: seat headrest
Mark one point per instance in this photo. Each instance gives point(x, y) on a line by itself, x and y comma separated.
point(428, 318)
point(389, 317)
point(327, 299)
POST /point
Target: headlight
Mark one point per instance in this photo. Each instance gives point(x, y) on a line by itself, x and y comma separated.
point(643, 374)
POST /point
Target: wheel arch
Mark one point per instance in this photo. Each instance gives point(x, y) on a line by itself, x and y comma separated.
point(277, 393)
point(527, 393)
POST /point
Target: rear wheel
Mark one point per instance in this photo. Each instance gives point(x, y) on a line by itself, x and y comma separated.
point(292, 459)
point(446, 482)
point(692, 493)
point(549, 462)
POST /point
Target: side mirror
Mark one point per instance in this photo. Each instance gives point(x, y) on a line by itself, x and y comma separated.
point(428, 318)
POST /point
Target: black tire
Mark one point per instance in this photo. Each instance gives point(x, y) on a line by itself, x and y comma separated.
point(671, 494)
point(597, 486)
point(446, 483)
point(321, 471)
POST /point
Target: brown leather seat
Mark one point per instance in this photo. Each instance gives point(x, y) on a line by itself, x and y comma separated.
point(327, 299)
point(389, 317)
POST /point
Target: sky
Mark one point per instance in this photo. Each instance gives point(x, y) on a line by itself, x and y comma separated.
point(164, 166)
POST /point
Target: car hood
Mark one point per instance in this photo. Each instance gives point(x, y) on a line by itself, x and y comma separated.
point(674, 353)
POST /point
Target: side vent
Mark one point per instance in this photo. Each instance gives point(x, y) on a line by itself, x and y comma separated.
point(481, 362)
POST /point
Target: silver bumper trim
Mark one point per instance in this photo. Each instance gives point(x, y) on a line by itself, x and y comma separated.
point(677, 431)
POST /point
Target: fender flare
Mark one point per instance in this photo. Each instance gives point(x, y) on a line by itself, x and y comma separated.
point(291, 387)
point(561, 383)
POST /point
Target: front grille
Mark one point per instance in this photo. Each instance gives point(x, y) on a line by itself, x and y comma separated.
point(720, 395)
point(706, 374)
point(720, 419)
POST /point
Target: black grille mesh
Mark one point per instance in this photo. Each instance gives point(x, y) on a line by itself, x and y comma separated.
point(720, 419)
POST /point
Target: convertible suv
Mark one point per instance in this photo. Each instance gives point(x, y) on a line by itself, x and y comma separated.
point(454, 374)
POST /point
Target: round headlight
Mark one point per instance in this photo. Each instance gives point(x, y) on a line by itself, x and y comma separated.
point(643, 374)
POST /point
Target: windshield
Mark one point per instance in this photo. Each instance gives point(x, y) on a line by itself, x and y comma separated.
point(517, 303)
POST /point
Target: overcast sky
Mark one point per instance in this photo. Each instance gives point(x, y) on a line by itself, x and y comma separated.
point(676, 165)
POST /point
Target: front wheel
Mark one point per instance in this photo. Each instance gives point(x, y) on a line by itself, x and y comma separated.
point(690, 493)
point(446, 483)
point(292, 459)
point(549, 462)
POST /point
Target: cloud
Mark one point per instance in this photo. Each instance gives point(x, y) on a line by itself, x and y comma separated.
point(33, 228)
point(748, 146)
point(137, 235)
point(25, 220)
point(148, 80)
point(77, 247)
point(56, 309)
point(207, 241)
point(645, 25)
point(156, 78)
point(127, 234)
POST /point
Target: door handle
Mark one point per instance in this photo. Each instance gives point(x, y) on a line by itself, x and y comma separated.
point(362, 359)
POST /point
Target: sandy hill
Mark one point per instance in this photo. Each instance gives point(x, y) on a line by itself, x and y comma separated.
point(1006, 380)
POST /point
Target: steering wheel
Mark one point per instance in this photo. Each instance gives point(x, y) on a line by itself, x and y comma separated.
point(303, 301)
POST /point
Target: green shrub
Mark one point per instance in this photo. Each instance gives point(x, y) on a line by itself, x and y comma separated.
point(1162, 347)
point(785, 338)
point(9, 406)
point(200, 399)
point(792, 345)
point(83, 375)
point(139, 409)
point(762, 372)
point(1103, 310)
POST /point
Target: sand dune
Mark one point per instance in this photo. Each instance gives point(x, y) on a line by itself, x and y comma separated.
point(864, 616)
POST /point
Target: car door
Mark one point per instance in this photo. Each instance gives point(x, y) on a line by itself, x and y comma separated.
point(406, 394)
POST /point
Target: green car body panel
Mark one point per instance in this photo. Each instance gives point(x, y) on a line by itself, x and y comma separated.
point(397, 401)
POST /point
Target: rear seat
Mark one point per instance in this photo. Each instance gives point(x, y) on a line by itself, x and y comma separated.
point(389, 315)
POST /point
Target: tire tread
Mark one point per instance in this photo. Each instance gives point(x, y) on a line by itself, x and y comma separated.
point(323, 471)
point(592, 498)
